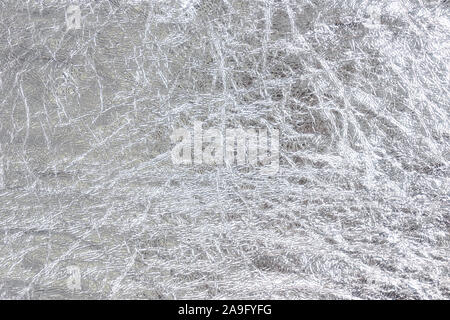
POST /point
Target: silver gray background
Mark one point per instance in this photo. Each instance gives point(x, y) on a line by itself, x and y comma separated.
point(359, 208)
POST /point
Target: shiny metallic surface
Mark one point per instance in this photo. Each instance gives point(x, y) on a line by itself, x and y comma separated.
point(92, 207)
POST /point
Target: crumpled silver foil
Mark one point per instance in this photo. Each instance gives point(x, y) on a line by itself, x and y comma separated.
point(359, 91)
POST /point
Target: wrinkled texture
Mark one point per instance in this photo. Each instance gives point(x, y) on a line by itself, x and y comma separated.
point(359, 208)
